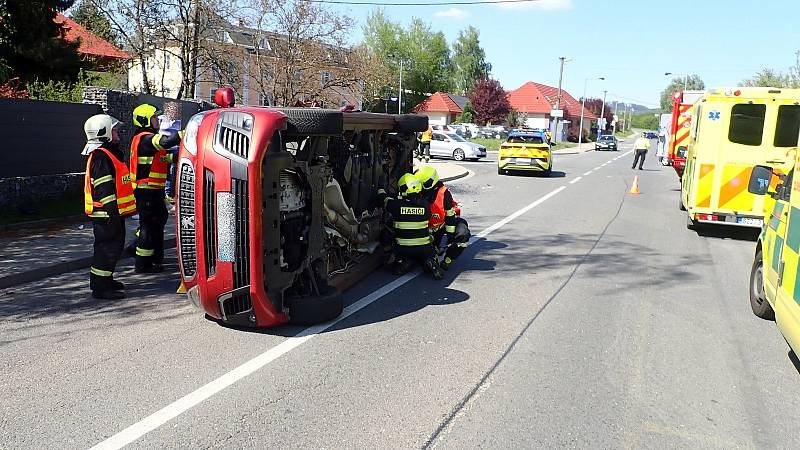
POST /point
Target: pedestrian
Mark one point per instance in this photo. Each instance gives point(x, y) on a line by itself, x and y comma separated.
point(108, 200)
point(149, 169)
point(425, 144)
point(445, 220)
point(410, 214)
point(640, 147)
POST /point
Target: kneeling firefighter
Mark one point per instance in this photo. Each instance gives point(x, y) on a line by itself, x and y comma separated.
point(445, 220)
point(108, 199)
point(412, 238)
point(149, 168)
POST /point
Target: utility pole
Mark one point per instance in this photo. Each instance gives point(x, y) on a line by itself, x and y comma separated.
point(563, 59)
point(583, 108)
point(400, 93)
point(614, 122)
point(602, 113)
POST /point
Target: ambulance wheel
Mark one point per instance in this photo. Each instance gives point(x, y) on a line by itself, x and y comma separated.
point(501, 171)
point(691, 224)
point(758, 301)
point(680, 203)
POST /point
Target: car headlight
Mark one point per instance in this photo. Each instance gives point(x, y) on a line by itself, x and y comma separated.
point(190, 133)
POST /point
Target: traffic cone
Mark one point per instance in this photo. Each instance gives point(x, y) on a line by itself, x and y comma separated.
point(635, 186)
point(181, 289)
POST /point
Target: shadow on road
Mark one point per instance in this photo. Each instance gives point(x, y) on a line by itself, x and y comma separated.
point(793, 358)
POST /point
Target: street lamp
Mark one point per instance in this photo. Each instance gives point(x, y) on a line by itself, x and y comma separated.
point(400, 88)
point(583, 107)
point(684, 75)
point(563, 60)
point(602, 113)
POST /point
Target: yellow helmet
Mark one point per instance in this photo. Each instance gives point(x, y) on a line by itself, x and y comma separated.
point(428, 176)
point(409, 184)
point(143, 115)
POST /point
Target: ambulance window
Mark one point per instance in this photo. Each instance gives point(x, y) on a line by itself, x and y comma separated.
point(747, 124)
point(787, 128)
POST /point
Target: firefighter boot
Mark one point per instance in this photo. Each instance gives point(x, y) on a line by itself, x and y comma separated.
point(108, 295)
point(445, 264)
point(432, 265)
point(401, 266)
point(117, 285)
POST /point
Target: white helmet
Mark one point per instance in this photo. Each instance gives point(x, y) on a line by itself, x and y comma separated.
point(98, 128)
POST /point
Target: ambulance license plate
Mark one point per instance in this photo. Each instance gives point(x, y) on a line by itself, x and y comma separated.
point(749, 221)
point(523, 160)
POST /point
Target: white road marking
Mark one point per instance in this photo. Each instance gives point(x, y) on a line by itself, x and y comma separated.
point(194, 398)
point(575, 180)
point(587, 173)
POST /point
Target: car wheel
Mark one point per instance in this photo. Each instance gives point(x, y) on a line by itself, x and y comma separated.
point(458, 154)
point(680, 203)
point(501, 171)
point(758, 301)
point(691, 224)
point(308, 121)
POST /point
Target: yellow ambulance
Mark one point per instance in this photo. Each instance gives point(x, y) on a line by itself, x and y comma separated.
point(733, 131)
point(774, 286)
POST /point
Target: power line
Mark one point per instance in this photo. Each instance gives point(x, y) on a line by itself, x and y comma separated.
point(441, 3)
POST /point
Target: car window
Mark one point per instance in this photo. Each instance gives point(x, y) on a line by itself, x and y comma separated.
point(438, 137)
point(787, 127)
point(456, 138)
point(747, 124)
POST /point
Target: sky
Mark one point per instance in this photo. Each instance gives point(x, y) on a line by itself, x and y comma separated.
point(631, 43)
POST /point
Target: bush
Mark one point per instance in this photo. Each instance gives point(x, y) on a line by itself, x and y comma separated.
point(63, 91)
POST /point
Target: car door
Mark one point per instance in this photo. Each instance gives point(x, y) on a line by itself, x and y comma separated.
point(775, 239)
point(438, 144)
point(787, 308)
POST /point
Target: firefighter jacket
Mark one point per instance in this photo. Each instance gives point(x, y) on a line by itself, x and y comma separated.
point(443, 211)
point(107, 188)
point(150, 160)
point(409, 222)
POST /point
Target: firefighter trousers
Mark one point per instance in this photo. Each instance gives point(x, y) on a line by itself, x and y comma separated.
point(459, 242)
point(109, 240)
point(152, 219)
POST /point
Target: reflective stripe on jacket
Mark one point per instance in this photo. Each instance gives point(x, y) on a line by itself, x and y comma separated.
point(153, 169)
point(410, 222)
point(123, 196)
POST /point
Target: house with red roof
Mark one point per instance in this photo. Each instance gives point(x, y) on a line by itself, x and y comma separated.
point(100, 54)
point(441, 108)
point(537, 100)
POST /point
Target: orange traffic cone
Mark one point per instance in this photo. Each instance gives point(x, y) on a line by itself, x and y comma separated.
point(181, 289)
point(635, 186)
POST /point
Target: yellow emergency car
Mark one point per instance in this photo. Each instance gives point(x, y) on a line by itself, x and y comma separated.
point(774, 281)
point(525, 150)
point(733, 131)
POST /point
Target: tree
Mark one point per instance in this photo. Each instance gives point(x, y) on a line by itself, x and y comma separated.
point(93, 20)
point(513, 118)
point(768, 78)
point(595, 106)
point(676, 85)
point(467, 115)
point(490, 101)
point(469, 61)
point(31, 43)
point(645, 121)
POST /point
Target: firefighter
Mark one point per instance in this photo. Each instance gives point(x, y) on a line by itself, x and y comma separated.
point(412, 238)
point(444, 218)
point(149, 169)
point(108, 199)
point(425, 144)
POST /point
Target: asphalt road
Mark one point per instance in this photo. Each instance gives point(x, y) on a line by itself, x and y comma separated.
point(582, 317)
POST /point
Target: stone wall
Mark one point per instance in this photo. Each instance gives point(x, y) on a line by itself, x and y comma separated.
point(20, 192)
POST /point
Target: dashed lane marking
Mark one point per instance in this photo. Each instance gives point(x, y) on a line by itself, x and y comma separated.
point(575, 180)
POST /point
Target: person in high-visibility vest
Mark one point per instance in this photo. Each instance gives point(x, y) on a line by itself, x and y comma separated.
point(425, 144)
point(409, 219)
point(640, 147)
point(445, 218)
point(149, 168)
point(108, 199)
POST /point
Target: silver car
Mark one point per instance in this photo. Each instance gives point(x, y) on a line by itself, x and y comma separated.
point(451, 145)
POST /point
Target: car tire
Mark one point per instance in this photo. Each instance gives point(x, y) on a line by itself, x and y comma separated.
point(501, 171)
point(307, 121)
point(691, 224)
point(758, 301)
point(681, 206)
point(410, 123)
point(315, 309)
point(459, 154)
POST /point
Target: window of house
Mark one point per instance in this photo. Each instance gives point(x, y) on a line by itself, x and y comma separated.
point(211, 95)
point(266, 99)
point(167, 59)
point(326, 77)
point(297, 75)
point(747, 124)
point(787, 128)
point(263, 43)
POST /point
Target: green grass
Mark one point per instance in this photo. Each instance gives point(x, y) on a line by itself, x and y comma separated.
point(563, 145)
point(47, 209)
point(623, 134)
point(491, 145)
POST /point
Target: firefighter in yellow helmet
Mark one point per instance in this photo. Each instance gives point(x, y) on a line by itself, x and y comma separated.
point(445, 218)
point(149, 168)
point(409, 222)
point(108, 199)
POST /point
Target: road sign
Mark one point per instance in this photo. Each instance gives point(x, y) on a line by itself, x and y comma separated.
point(559, 113)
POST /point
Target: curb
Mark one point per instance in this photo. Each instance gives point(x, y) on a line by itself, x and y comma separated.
point(463, 174)
point(60, 268)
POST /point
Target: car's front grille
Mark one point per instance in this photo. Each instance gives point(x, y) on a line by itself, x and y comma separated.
point(187, 239)
point(237, 304)
point(209, 223)
point(234, 141)
point(241, 262)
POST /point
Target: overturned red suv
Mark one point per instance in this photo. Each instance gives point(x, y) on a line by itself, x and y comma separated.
point(277, 207)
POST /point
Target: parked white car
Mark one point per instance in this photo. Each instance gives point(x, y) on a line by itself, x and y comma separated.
point(451, 145)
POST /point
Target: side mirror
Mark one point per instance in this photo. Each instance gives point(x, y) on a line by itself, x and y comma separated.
point(759, 180)
point(682, 150)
